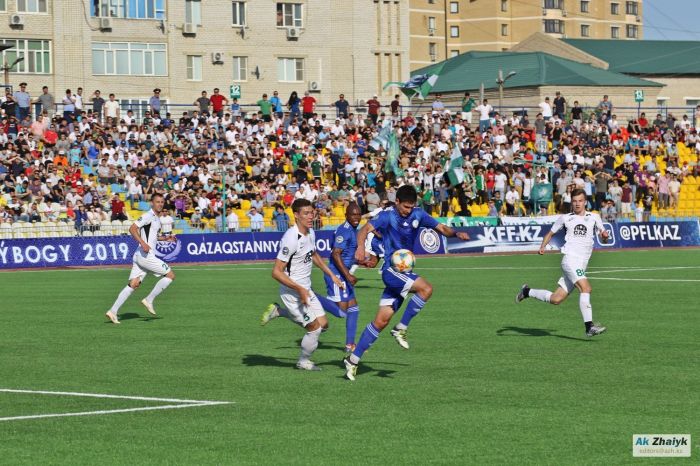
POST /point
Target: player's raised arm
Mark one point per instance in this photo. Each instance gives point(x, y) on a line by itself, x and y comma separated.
point(450, 232)
point(603, 234)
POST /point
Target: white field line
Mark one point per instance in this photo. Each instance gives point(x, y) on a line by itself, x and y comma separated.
point(645, 269)
point(673, 280)
point(180, 404)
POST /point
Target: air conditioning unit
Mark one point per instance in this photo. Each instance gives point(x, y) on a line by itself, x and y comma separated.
point(544, 12)
point(293, 33)
point(16, 20)
point(638, 19)
point(563, 13)
point(431, 31)
point(105, 24)
point(217, 58)
point(360, 103)
point(189, 28)
point(314, 86)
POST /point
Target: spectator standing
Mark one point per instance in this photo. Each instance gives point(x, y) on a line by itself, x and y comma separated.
point(46, 102)
point(98, 103)
point(546, 109)
point(265, 108)
point(154, 102)
point(438, 105)
point(256, 220)
point(468, 104)
point(23, 100)
point(608, 212)
point(111, 108)
point(576, 115)
point(341, 107)
point(308, 104)
point(373, 106)
point(484, 115)
point(395, 106)
point(203, 103)
point(293, 104)
point(605, 107)
point(280, 219)
point(68, 105)
point(79, 101)
point(277, 104)
point(560, 106)
point(232, 221)
point(218, 101)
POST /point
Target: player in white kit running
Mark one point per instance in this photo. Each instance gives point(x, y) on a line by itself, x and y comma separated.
point(581, 227)
point(145, 231)
point(292, 269)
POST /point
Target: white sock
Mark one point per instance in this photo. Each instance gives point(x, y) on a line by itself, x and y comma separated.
point(584, 303)
point(162, 284)
point(121, 299)
point(353, 268)
point(309, 344)
point(542, 295)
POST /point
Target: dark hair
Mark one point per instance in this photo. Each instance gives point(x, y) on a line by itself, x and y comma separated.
point(352, 206)
point(155, 195)
point(299, 204)
point(578, 192)
point(406, 193)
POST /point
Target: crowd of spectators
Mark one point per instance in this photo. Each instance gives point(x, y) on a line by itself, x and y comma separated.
point(227, 166)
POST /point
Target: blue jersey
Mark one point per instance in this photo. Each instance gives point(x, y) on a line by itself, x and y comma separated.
point(345, 238)
point(400, 232)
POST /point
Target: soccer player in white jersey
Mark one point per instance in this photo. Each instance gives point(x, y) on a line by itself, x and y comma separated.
point(145, 231)
point(292, 269)
point(581, 227)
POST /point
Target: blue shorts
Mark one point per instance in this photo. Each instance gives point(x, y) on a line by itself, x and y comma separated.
point(397, 285)
point(337, 294)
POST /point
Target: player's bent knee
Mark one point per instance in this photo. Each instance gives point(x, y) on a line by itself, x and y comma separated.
point(135, 283)
point(170, 275)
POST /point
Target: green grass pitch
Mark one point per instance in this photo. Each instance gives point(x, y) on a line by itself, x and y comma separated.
point(486, 381)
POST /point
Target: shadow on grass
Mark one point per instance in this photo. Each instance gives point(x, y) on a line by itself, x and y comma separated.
point(133, 315)
point(533, 332)
point(256, 360)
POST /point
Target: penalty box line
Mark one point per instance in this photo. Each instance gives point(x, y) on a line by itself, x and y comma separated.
point(175, 404)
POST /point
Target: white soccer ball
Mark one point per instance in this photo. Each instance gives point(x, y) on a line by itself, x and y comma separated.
point(403, 260)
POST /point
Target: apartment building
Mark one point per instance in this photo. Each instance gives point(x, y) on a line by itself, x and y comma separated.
point(183, 47)
point(442, 29)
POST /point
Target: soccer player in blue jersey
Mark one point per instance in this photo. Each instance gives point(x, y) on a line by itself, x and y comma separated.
point(398, 227)
point(340, 263)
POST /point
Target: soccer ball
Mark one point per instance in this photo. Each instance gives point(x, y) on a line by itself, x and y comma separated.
point(403, 260)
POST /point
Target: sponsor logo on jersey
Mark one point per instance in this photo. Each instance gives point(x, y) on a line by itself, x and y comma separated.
point(339, 239)
point(168, 250)
point(429, 240)
point(580, 230)
point(285, 251)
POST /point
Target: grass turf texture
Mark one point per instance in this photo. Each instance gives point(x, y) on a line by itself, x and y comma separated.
point(486, 381)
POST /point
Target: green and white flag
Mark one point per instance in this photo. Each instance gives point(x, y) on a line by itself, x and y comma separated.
point(455, 170)
point(418, 86)
point(392, 155)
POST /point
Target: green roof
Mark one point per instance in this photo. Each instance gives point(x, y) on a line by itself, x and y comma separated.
point(469, 70)
point(653, 57)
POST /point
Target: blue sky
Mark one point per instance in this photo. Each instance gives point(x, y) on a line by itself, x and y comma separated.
point(671, 19)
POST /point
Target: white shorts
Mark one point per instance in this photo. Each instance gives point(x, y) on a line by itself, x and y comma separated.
point(298, 312)
point(573, 269)
point(467, 117)
point(149, 263)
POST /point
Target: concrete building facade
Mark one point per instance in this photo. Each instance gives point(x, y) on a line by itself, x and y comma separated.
point(183, 47)
point(441, 29)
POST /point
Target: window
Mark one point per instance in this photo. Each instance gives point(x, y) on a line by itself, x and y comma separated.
point(454, 7)
point(31, 6)
point(615, 32)
point(290, 69)
point(454, 31)
point(431, 25)
point(3, 5)
point(631, 31)
point(585, 6)
point(504, 29)
point(289, 15)
point(36, 53)
point(632, 8)
point(585, 30)
point(194, 67)
point(553, 26)
point(131, 9)
point(504, 5)
point(138, 105)
point(454, 53)
point(193, 12)
point(432, 51)
point(614, 8)
point(129, 58)
point(554, 4)
point(240, 69)
point(238, 14)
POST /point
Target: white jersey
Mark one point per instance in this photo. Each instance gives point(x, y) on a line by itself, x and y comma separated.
point(297, 250)
point(580, 233)
point(149, 226)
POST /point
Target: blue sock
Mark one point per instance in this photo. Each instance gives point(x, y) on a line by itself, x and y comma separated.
point(330, 306)
point(367, 339)
point(351, 325)
point(412, 310)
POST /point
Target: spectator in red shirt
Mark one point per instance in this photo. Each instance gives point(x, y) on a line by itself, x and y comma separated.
point(218, 102)
point(308, 105)
point(373, 106)
point(118, 208)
